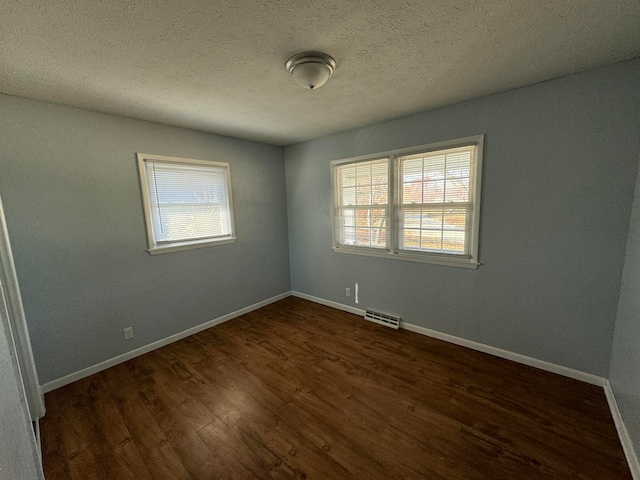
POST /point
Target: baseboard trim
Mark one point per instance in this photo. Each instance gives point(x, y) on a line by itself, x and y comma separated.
point(623, 433)
point(85, 372)
point(481, 347)
point(328, 303)
point(506, 354)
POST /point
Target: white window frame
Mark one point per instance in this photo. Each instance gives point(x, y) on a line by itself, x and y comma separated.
point(155, 247)
point(338, 207)
point(393, 251)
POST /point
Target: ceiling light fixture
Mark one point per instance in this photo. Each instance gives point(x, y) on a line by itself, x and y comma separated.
point(311, 69)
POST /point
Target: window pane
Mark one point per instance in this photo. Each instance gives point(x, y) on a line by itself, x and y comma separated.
point(453, 242)
point(442, 176)
point(363, 174)
point(412, 193)
point(362, 218)
point(412, 170)
point(455, 219)
point(187, 201)
point(189, 221)
point(348, 218)
point(431, 240)
point(176, 186)
point(380, 173)
point(457, 190)
point(364, 227)
point(349, 196)
point(378, 239)
point(411, 239)
point(378, 218)
point(434, 167)
point(379, 230)
point(364, 195)
point(363, 236)
point(363, 185)
point(412, 220)
point(380, 194)
point(432, 219)
point(349, 235)
point(348, 177)
point(433, 191)
point(434, 229)
point(458, 164)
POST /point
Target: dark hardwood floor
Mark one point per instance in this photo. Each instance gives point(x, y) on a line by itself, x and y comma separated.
point(297, 390)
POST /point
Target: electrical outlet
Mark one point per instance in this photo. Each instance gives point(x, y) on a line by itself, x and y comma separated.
point(347, 292)
point(128, 333)
point(356, 293)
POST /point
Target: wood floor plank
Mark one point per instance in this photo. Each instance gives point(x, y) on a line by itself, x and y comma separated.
point(157, 453)
point(51, 439)
point(297, 390)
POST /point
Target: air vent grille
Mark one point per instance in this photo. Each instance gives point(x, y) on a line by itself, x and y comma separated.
point(382, 319)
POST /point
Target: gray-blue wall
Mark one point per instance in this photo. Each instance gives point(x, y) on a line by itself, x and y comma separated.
point(625, 361)
point(71, 192)
point(560, 161)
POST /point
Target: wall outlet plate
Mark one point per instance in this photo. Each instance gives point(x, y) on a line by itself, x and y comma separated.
point(128, 333)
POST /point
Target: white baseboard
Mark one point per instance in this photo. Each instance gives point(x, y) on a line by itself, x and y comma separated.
point(481, 347)
point(85, 372)
point(623, 433)
point(329, 303)
point(516, 357)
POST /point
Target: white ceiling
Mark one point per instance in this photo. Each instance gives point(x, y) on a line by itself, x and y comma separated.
point(218, 66)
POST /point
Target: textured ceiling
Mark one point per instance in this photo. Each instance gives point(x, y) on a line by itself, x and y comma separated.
point(218, 66)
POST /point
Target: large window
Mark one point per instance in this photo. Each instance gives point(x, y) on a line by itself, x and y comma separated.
point(421, 204)
point(187, 203)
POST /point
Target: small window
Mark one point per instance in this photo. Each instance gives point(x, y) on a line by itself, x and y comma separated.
point(420, 204)
point(187, 203)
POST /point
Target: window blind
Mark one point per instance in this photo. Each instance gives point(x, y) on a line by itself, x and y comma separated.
point(436, 200)
point(188, 202)
point(362, 203)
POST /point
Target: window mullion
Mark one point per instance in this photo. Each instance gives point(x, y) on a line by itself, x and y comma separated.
point(338, 210)
point(393, 202)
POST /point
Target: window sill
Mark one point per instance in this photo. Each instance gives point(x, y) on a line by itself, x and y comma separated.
point(434, 259)
point(177, 247)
